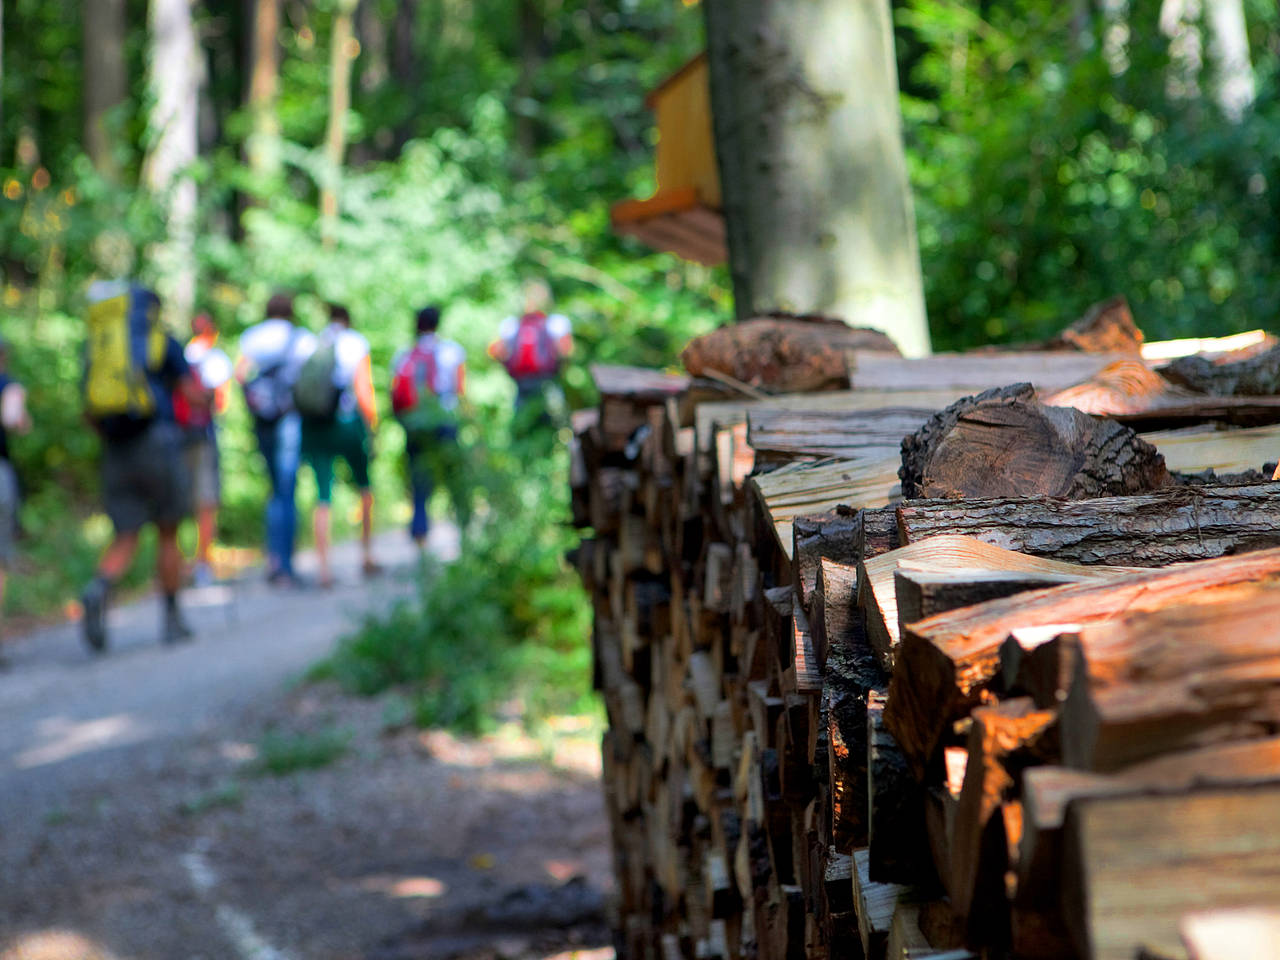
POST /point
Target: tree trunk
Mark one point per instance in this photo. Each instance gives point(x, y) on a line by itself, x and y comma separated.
point(175, 89)
point(809, 141)
point(263, 148)
point(1229, 47)
point(406, 69)
point(335, 142)
point(530, 28)
point(105, 82)
point(1180, 22)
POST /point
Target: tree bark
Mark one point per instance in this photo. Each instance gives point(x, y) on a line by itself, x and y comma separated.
point(1234, 87)
point(530, 30)
point(263, 148)
point(809, 141)
point(341, 53)
point(175, 77)
point(1170, 525)
point(105, 82)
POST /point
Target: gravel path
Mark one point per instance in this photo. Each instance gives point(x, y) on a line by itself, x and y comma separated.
point(136, 822)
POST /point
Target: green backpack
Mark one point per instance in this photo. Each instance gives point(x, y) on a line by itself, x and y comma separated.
point(315, 395)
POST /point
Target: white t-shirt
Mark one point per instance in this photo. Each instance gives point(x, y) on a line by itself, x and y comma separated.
point(212, 365)
point(558, 326)
point(349, 350)
point(267, 342)
point(449, 356)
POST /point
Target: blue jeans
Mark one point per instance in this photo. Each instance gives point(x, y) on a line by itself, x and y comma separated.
point(428, 457)
point(280, 442)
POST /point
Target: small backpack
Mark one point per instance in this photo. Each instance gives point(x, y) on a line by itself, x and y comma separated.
point(533, 352)
point(315, 395)
point(267, 394)
point(126, 345)
point(415, 392)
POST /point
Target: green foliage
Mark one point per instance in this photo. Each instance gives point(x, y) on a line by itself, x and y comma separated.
point(1051, 173)
point(282, 752)
point(506, 620)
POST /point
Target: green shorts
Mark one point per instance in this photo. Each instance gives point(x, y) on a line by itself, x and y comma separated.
point(325, 441)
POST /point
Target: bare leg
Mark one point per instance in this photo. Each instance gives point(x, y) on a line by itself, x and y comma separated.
point(168, 561)
point(206, 525)
point(118, 556)
point(366, 528)
point(320, 523)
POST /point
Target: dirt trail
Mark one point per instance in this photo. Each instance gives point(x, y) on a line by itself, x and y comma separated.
point(137, 820)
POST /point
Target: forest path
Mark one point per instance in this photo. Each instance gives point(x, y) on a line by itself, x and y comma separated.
point(137, 822)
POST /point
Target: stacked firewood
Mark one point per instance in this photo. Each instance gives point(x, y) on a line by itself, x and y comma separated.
point(939, 666)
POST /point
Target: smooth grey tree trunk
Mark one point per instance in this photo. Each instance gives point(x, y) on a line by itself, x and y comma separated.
point(105, 82)
point(173, 132)
point(809, 139)
point(1234, 87)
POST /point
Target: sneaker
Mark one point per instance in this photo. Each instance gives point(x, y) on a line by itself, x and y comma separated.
point(176, 629)
point(94, 620)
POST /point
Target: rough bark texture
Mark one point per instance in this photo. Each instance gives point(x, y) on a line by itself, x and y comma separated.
point(1170, 525)
point(1254, 376)
point(782, 354)
point(809, 141)
point(105, 81)
point(1106, 327)
point(1005, 443)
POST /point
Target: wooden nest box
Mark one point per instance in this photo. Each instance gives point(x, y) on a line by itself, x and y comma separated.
point(684, 215)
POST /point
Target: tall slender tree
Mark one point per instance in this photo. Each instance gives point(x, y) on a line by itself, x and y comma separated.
point(1234, 85)
point(105, 80)
point(263, 148)
point(809, 139)
point(173, 131)
point(343, 51)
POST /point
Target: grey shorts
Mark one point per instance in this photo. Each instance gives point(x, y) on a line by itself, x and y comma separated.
point(144, 478)
point(8, 512)
point(202, 468)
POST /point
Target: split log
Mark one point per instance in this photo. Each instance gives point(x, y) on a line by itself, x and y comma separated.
point(898, 849)
point(863, 434)
point(783, 354)
point(877, 592)
point(1249, 933)
point(875, 904)
point(975, 372)
point(1202, 850)
point(1171, 525)
point(1005, 443)
point(1106, 327)
point(1183, 675)
point(831, 535)
point(944, 665)
point(1225, 377)
point(1196, 450)
point(1040, 662)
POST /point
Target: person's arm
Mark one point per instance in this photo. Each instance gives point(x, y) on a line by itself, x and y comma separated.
point(244, 367)
point(13, 408)
point(362, 387)
point(462, 380)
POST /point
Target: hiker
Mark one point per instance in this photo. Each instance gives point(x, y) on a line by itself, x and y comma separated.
point(271, 356)
point(211, 374)
point(132, 369)
point(532, 347)
point(13, 418)
point(427, 382)
point(334, 394)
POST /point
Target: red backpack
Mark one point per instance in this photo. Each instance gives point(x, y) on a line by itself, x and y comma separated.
point(414, 377)
point(533, 349)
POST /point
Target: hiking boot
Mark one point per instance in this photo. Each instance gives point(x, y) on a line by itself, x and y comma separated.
point(176, 629)
point(93, 622)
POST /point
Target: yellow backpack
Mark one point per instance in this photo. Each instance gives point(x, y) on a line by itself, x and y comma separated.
point(126, 344)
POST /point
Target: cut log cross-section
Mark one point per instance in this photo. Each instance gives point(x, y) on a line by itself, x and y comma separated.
point(1005, 443)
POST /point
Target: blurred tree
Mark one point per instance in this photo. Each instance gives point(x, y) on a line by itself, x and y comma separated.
point(343, 49)
point(1234, 86)
point(263, 148)
point(809, 139)
point(105, 79)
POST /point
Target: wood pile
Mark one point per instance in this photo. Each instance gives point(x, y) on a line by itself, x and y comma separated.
point(1035, 715)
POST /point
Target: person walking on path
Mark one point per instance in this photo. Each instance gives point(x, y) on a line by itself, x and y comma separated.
point(428, 381)
point(334, 394)
point(271, 356)
point(13, 418)
point(533, 347)
point(132, 370)
point(211, 372)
